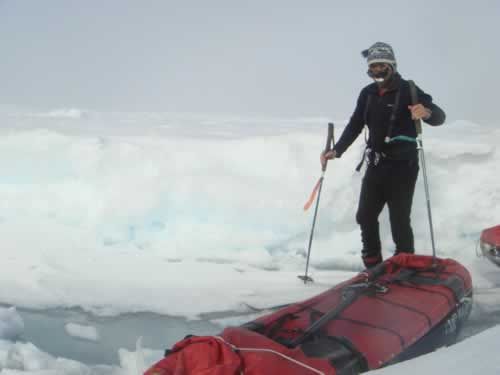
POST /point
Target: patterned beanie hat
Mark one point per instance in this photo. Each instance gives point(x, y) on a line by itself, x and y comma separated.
point(380, 53)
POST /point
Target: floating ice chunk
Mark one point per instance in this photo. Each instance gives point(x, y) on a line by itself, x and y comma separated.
point(82, 331)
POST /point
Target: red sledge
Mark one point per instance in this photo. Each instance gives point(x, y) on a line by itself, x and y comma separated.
point(490, 244)
point(407, 306)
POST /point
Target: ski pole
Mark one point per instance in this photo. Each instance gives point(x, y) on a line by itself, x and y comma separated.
point(427, 194)
point(317, 188)
point(420, 147)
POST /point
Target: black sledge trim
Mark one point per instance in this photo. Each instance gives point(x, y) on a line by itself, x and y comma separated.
point(340, 352)
point(444, 333)
point(455, 274)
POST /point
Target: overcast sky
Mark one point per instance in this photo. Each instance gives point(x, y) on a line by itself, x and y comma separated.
point(260, 57)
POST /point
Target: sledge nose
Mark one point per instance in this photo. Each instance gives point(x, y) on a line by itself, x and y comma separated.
point(490, 244)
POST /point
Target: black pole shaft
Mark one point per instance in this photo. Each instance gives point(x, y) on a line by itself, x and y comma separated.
point(420, 145)
point(311, 235)
point(330, 140)
point(427, 196)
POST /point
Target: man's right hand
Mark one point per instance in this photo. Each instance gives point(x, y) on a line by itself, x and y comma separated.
point(325, 156)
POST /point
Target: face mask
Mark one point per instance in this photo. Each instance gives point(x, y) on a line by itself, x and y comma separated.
point(381, 75)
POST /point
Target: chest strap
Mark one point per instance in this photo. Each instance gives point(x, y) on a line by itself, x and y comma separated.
point(387, 138)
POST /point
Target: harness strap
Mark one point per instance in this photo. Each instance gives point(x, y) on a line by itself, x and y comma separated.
point(392, 119)
point(365, 119)
point(367, 105)
point(360, 164)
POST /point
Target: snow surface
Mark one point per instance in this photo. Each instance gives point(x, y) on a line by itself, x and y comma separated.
point(185, 215)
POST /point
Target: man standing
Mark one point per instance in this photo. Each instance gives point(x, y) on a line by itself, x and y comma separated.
point(385, 107)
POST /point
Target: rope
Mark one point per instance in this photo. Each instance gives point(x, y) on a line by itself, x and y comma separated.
point(236, 349)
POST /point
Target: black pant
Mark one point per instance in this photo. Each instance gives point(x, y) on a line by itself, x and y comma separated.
point(392, 182)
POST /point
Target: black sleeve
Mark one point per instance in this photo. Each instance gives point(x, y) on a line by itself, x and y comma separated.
point(353, 127)
point(438, 116)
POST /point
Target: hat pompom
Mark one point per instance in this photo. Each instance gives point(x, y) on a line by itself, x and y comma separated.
point(365, 53)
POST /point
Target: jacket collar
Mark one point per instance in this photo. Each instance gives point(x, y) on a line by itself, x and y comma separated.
point(394, 85)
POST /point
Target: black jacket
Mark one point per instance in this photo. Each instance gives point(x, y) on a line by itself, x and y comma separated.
point(377, 116)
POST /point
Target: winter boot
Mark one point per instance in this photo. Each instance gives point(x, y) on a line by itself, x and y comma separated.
point(371, 259)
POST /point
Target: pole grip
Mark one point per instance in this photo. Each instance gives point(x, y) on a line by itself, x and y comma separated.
point(330, 137)
point(329, 142)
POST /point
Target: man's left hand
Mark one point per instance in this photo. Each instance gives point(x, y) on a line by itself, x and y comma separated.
point(419, 112)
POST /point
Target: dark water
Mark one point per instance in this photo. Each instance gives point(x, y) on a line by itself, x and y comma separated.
point(46, 330)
